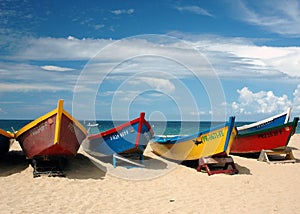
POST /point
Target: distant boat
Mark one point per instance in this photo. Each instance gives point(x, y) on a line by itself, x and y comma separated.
point(5, 141)
point(92, 124)
point(266, 123)
point(128, 138)
point(56, 133)
point(215, 141)
point(266, 139)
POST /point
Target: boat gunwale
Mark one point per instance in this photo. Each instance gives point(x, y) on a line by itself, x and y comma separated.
point(293, 123)
point(251, 125)
point(6, 134)
point(35, 122)
point(119, 128)
point(45, 117)
point(76, 122)
point(184, 138)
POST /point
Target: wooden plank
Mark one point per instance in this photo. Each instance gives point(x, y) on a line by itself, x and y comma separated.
point(217, 160)
point(278, 152)
point(227, 161)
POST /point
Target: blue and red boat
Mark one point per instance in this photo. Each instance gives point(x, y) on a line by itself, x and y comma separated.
point(272, 138)
point(129, 138)
point(5, 141)
point(270, 122)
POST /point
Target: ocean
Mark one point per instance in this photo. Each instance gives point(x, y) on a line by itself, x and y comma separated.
point(159, 127)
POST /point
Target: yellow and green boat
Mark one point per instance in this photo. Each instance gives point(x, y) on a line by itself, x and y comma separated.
point(216, 141)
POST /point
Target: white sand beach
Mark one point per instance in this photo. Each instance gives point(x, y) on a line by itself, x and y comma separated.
point(161, 187)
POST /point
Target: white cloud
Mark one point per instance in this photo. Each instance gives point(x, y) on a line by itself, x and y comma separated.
point(241, 57)
point(296, 101)
point(55, 68)
point(262, 102)
point(123, 11)
point(59, 48)
point(197, 113)
point(22, 77)
point(159, 84)
point(195, 9)
point(71, 38)
point(279, 16)
point(232, 57)
point(26, 87)
point(99, 26)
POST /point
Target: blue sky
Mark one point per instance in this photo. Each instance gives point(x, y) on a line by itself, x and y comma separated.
point(175, 60)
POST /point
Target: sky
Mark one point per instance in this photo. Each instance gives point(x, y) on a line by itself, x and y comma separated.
point(175, 60)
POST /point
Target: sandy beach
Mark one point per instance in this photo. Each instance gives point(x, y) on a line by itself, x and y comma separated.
point(161, 187)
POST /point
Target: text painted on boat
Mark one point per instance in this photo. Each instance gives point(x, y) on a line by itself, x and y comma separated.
point(71, 127)
point(39, 129)
point(270, 134)
point(213, 136)
point(118, 135)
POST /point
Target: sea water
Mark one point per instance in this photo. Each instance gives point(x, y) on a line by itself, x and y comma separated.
point(159, 127)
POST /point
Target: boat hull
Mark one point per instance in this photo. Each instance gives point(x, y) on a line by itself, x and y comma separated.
point(129, 138)
point(55, 134)
point(267, 139)
point(213, 142)
point(5, 141)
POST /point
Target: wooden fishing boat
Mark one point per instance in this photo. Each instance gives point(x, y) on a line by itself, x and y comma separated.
point(266, 123)
point(56, 133)
point(5, 141)
point(215, 141)
point(129, 138)
point(266, 139)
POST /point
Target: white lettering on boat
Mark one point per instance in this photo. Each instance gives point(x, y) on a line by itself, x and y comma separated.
point(37, 130)
point(147, 135)
point(264, 124)
point(71, 127)
point(120, 134)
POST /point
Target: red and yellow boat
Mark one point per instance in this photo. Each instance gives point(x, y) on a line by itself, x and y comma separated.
point(56, 133)
point(5, 141)
point(266, 139)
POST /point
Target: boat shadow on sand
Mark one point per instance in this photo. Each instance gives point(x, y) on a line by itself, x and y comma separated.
point(81, 167)
point(12, 162)
point(131, 161)
point(277, 157)
point(194, 164)
point(78, 167)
